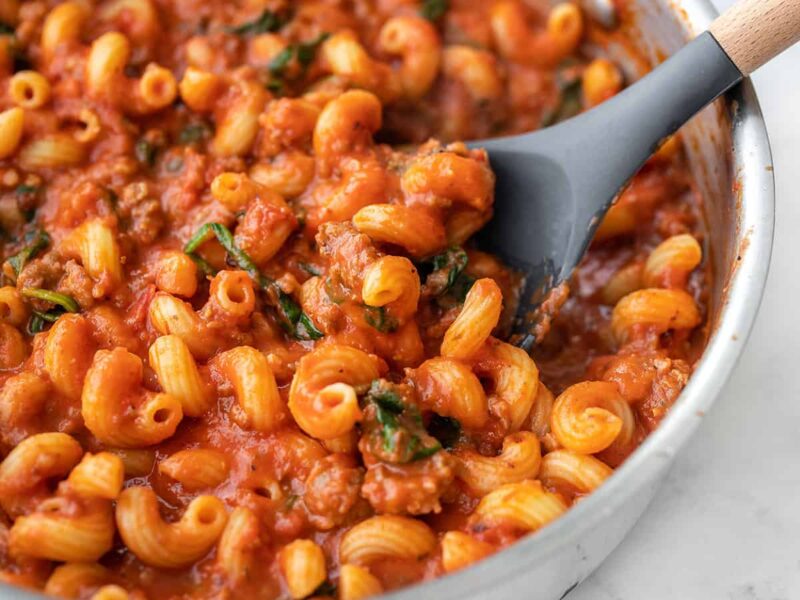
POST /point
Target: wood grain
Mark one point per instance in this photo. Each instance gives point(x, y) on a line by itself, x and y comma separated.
point(752, 32)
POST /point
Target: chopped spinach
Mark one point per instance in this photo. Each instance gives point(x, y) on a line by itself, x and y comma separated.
point(385, 396)
point(394, 429)
point(304, 52)
point(433, 10)
point(145, 152)
point(377, 318)
point(293, 319)
point(24, 189)
point(267, 22)
point(448, 274)
point(40, 320)
point(36, 240)
point(36, 324)
point(194, 132)
point(281, 60)
point(6, 29)
point(454, 261)
point(67, 303)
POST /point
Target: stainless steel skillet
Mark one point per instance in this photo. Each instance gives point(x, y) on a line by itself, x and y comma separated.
point(730, 156)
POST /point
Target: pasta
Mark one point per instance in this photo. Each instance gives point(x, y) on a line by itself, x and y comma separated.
point(168, 545)
point(248, 345)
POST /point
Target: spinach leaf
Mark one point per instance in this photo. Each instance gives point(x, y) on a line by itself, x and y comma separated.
point(24, 189)
point(304, 51)
point(377, 318)
point(448, 274)
point(67, 303)
point(385, 396)
point(36, 240)
point(145, 152)
point(394, 428)
point(266, 22)
point(193, 132)
point(454, 260)
point(40, 320)
point(433, 10)
point(36, 324)
point(293, 319)
point(281, 60)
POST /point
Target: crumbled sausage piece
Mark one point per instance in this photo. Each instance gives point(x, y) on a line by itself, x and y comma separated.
point(671, 377)
point(332, 490)
point(141, 213)
point(349, 252)
point(414, 488)
point(77, 284)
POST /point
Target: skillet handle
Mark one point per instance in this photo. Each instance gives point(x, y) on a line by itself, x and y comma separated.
point(753, 32)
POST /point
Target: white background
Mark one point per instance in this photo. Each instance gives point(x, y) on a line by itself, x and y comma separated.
point(726, 524)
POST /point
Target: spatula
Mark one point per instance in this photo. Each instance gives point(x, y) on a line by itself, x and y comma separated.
point(555, 185)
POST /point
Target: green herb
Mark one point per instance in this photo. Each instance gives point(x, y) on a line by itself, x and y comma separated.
point(145, 153)
point(194, 132)
point(267, 22)
point(433, 10)
point(293, 319)
point(6, 29)
point(569, 105)
point(397, 427)
point(310, 269)
point(291, 500)
point(420, 451)
point(304, 51)
point(225, 238)
point(385, 397)
point(66, 302)
point(281, 60)
point(448, 274)
point(389, 426)
point(454, 261)
point(36, 240)
point(40, 319)
point(37, 323)
point(445, 429)
point(377, 318)
point(25, 189)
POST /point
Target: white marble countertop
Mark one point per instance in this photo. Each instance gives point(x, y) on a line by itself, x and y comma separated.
point(726, 523)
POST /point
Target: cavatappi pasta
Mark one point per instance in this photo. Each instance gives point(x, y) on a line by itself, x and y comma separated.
point(247, 346)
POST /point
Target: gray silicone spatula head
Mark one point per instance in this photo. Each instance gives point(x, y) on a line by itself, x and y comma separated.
point(554, 186)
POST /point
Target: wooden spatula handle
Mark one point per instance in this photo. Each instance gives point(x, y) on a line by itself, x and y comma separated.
point(754, 31)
